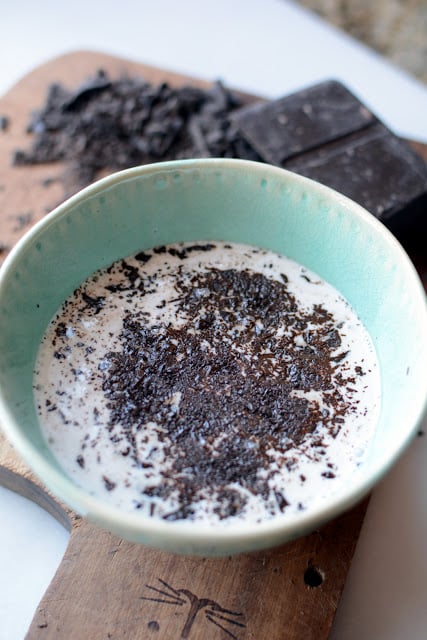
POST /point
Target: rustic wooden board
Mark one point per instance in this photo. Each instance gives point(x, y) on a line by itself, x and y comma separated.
point(106, 587)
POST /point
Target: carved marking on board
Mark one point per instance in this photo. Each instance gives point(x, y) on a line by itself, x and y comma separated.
point(225, 619)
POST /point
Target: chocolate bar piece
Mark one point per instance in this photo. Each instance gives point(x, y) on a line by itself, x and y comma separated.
point(325, 133)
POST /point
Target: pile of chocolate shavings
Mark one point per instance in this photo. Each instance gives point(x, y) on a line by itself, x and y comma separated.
point(235, 377)
point(108, 125)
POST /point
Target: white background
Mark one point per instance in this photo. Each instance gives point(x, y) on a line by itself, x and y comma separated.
point(267, 47)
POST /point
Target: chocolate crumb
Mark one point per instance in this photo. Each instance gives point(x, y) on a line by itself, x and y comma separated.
point(47, 182)
point(4, 123)
point(95, 303)
point(22, 220)
point(143, 257)
point(109, 485)
point(328, 474)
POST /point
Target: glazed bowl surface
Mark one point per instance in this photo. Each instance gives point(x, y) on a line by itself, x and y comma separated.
point(218, 200)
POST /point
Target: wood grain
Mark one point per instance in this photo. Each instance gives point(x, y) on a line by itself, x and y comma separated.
point(106, 587)
point(109, 588)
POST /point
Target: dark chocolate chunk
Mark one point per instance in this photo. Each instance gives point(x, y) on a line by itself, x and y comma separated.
point(305, 120)
point(90, 88)
point(377, 170)
point(327, 134)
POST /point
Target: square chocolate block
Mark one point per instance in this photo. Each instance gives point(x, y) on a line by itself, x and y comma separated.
point(325, 133)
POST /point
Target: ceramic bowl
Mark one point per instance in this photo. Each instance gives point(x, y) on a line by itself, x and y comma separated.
point(214, 199)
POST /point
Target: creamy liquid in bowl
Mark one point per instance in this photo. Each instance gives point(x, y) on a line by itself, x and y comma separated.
point(210, 382)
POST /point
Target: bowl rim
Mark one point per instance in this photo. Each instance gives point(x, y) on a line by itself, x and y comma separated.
point(170, 535)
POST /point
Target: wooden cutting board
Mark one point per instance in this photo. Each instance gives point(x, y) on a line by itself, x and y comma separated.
point(106, 587)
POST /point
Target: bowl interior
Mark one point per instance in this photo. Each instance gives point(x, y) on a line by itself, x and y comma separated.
point(216, 200)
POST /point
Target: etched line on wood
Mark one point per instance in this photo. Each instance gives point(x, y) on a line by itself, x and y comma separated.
point(214, 612)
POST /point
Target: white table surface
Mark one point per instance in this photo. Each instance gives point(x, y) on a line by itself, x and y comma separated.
point(268, 47)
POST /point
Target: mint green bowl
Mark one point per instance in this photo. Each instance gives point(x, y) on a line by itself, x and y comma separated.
point(229, 200)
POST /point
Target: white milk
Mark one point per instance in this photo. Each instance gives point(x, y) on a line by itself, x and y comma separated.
point(135, 465)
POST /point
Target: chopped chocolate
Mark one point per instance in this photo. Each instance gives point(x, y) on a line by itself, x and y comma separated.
point(230, 503)
point(143, 257)
point(87, 91)
point(4, 123)
point(109, 485)
point(221, 389)
point(47, 182)
point(22, 220)
point(328, 474)
point(95, 303)
point(109, 125)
